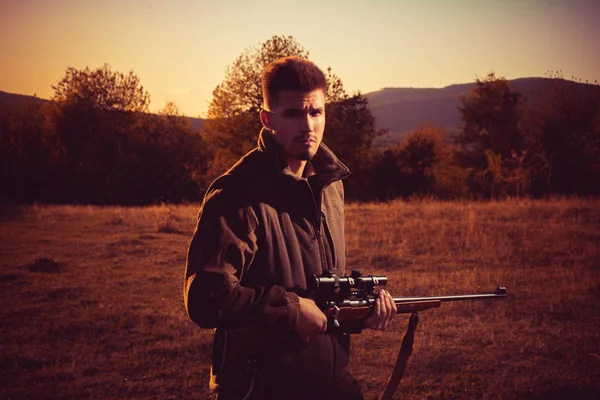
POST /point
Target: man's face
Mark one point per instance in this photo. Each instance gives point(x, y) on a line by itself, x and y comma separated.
point(298, 121)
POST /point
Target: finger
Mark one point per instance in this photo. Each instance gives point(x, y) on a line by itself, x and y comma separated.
point(394, 306)
point(374, 319)
point(383, 310)
point(391, 309)
point(387, 308)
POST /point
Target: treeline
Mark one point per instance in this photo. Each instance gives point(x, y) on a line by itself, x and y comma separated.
point(507, 146)
point(97, 143)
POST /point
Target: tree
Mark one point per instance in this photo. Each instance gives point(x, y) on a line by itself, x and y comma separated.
point(388, 180)
point(350, 128)
point(95, 143)
point(233, 123)
point(8, 155)
point(28, 153)
point(172, 158)
point(492, 118)
point(409, 169)
point(101, 89)
point(567, 136)
point(95, 111)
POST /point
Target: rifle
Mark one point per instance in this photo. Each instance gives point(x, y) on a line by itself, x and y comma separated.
point(349, 300)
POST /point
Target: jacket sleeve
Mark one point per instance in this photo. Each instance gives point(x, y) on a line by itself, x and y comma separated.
point(222, 249)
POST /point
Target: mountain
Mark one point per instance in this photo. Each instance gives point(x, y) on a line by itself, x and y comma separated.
point(18, 102)
point(195, 123)
point(403, 110)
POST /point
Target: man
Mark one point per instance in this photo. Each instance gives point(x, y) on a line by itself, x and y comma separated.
point(265, 227)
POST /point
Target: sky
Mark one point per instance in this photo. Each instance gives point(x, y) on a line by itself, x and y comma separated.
point(180, 48)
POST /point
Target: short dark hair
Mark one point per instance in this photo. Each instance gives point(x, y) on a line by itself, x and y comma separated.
point(290, 73)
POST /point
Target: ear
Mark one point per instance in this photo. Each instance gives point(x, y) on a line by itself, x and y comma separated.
point(265, 119)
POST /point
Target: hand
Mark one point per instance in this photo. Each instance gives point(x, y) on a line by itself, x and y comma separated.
point(383, 312)
point(311, 321)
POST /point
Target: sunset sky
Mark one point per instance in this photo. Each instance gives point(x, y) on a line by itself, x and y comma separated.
point(179, 49)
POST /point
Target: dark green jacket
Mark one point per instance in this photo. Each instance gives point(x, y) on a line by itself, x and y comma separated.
point(262, 233)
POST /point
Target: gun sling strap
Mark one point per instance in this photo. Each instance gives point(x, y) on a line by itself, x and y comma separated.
point(405, 351)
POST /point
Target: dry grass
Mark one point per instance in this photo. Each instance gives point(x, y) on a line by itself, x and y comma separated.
point(92, 300)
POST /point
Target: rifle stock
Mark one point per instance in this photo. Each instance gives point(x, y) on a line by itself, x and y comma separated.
point(349, 314)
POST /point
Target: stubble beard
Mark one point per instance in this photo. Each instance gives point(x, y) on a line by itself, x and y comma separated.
point(305, 154)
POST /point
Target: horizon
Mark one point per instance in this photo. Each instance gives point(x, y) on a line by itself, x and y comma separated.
point(364, 94)
point(179, 50)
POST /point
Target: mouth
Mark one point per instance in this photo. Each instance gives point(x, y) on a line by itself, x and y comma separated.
point(306, 140)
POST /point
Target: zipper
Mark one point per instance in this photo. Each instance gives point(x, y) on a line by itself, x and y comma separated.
point(316, 222)
point(329, 238)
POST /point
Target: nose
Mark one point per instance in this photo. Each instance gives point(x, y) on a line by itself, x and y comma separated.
point(308, 123)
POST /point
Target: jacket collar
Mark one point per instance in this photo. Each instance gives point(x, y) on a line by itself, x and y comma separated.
point(325, 165)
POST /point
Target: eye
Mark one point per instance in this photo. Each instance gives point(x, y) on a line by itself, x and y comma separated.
point(316, 113)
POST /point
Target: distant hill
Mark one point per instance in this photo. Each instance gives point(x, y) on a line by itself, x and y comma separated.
point(195, 123)
point(403, 110)
point(18, 102)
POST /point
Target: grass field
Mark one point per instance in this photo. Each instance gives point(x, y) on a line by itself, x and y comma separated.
point(92, 301)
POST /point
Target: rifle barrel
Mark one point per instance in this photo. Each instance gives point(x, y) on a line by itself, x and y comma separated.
point(369, 302)
point(500, 292)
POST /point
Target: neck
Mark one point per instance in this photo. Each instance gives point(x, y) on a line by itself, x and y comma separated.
point(296, 166)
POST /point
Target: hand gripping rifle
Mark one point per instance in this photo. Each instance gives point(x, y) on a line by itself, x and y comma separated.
point(348, 301)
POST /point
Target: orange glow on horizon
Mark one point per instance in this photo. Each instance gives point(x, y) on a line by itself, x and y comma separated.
point(180, 49)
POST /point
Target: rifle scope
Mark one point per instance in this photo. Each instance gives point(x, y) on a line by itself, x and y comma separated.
point(331, 283)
